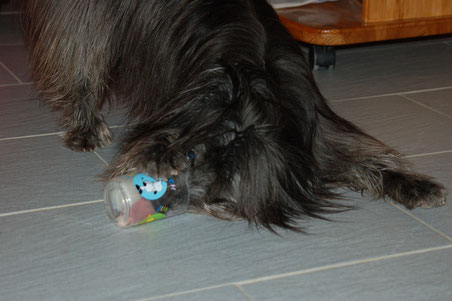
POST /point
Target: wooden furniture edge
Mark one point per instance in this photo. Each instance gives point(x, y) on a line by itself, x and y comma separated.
point(371, 32)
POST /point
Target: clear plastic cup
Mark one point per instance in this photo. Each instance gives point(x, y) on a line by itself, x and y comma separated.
point(138, 198)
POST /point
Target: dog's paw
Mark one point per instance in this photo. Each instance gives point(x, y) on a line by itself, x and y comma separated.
point(421, 193)
point(88, 140)
point(436, 198)
point(167, 166)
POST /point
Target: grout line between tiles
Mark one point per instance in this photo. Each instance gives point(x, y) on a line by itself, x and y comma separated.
point(422, 222)
point(330, 100)
point(11, 73)
point(50, 208)
point(197, 290)
point(303, 272)
point(120, 126)
point(391, 94)
point(343, 264)
point(425, 106)
point(31, 136)
point(15, 84)
point(429, 154)
point(102, 159)
point(244, 292)
point(47, 134)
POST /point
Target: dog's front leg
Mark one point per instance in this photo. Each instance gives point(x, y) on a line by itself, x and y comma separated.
point(86, 128)
point(70, 59)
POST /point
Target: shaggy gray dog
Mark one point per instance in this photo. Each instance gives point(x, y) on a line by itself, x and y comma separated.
point(217, 90)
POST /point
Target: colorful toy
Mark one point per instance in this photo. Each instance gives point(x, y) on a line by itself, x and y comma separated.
point(138, 198)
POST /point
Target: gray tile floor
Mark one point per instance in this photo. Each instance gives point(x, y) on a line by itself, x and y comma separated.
point(56, 242)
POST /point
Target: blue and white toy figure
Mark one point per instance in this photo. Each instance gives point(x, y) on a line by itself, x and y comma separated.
point(139, 198)
point(150, 188)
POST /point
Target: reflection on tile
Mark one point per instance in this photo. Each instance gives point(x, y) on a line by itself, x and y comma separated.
point(415, 277)
point(399, 123)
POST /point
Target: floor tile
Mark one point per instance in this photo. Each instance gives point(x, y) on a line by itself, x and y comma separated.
point(77, 252)
point(40, 172)
point(400, 123)
point(440, 167)
point(387, 71)
point(11, 32)
point(15, 58)
point(438, 100)
point(17, 92)
point(416, 277)
point(114, 116)
point(22, 115)
point(390, 45)
point(6, 77)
